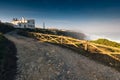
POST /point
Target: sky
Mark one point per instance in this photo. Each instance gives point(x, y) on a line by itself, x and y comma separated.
point(100, 18)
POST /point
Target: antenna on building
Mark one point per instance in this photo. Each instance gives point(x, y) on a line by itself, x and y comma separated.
point(23, 19)
point(43, 25)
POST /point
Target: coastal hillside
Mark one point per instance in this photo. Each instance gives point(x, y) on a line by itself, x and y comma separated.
point(55, 40)
point(55, 55)
point(107, 42)
point(39, 60)
point(7, 54)
point(7, 59)
point(5, 27)
point(106, 55)
point(73, 34)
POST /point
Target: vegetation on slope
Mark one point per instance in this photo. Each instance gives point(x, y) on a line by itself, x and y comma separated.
point(7, 59)
point(107, 42)
point(77, 35)
point(94, 55)
point(4, 28)
point(7, 54)
point(2, 47)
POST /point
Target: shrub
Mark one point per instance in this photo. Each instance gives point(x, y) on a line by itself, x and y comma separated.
point(4, 28)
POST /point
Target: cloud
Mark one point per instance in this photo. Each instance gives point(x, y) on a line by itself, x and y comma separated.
point(112, 25)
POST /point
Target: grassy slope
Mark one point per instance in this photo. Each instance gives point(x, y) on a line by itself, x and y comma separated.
point(77, 35)
point(4, 28)
point(101, 58)
point(2, 47)
point(7, 59)
point(7, 54)
point(107, 42)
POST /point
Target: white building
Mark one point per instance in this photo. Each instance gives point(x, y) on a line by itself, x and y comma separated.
point(23, 23)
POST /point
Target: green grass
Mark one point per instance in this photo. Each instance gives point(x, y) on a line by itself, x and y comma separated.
point(107, 43)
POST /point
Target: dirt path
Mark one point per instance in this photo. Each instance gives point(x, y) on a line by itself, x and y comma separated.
point(43, 61)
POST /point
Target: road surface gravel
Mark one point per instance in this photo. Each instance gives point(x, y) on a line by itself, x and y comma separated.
point(44, 61)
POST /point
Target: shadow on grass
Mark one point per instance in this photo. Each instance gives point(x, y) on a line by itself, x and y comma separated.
point(97, 57)
point(8, 65)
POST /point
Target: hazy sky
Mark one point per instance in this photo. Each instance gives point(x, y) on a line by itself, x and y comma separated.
point(90, 16)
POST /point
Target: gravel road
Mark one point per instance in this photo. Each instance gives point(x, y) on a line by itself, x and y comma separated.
point(43, 61)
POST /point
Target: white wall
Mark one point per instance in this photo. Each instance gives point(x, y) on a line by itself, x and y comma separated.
point(24, 23)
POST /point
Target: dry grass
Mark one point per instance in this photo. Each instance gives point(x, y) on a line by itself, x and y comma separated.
point(93, 52)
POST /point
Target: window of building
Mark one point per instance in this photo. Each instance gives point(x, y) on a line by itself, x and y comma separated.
point(28, 21)
point(19, 24)
point(33, 22)
point(24, 26)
